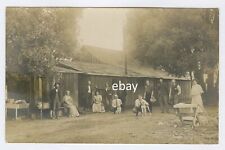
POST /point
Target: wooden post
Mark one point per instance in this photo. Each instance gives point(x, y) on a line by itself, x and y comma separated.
point(40, 88)
point(40, 94)
point(125, 50)
point(16, 113)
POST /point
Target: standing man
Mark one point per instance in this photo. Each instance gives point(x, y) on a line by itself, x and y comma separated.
point(163, 96)
point(55, 96)
point(149, 93)
point(122, 95)
point(175, 92)
point(88, 102)
point(107, 97)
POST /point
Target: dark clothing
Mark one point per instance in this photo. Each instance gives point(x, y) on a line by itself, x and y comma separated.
point(174, 99)
point(174, 90)
point(54, 93)
point(148, 94)
point(114, 110)
point(148, 97)
point(148, 88)
point(88, 102)
point(122, 95)
point(107, 100)
point(163, 103)
point(163, 89)
point(172, 94)
point(88, 97)
point(138, 109)
point(55, 103)
point(163, 97)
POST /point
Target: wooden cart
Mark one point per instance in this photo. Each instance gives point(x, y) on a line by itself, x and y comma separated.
point(187, 113)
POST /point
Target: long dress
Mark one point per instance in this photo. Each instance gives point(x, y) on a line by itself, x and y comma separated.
point(196, 92)
point(97, 105)
point(72, 108)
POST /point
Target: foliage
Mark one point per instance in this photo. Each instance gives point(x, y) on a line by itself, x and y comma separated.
point(37, 37)
point(174, 39)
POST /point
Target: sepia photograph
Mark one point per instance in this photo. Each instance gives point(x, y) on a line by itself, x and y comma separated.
point(140, 75)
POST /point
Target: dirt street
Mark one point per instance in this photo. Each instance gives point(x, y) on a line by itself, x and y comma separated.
point(108, 128)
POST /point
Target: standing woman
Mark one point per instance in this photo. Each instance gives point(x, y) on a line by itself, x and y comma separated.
point(196, 92)
point(175, 93)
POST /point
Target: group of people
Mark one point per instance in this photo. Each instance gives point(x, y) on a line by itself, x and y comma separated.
point(108, 100)
point(57, 101)
point(115, 100)
point(98, 106)
point(167, 96)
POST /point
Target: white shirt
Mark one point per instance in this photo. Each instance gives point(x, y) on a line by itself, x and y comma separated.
point(89, 89)
point(178, 89)
point(137, 103)
point(116, 103)
point(141, 102)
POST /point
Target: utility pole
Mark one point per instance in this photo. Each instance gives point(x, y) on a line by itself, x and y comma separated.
point(125, 61)
point(125, 49)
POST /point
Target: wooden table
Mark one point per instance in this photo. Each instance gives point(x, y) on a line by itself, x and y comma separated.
point(187, 112)
point(17, 107)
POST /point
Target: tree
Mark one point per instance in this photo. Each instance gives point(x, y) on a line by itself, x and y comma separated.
point(176, 40)
point(37, 37)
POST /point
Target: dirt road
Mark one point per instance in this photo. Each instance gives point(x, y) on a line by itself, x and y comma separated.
point(108, 128)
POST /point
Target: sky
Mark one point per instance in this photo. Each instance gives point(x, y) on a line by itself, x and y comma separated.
point(102, 27)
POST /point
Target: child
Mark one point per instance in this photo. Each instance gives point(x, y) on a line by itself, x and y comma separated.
point(137, 105)
point(144, 105)
point(116, 104)
point(141, 105)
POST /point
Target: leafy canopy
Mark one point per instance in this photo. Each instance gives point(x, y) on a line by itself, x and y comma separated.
point(37, 37)
point(173, 39)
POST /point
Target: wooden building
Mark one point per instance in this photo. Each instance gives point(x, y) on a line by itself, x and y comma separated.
point(73, 76)
point(100, 74)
